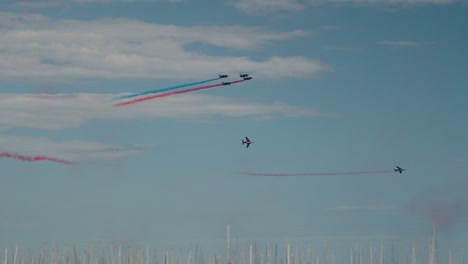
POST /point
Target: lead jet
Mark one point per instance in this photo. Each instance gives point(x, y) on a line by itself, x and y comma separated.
point(223, 76)
point(226, 83)
point(247, 141)
point(243, 75)
point(398, 169)
point(247, 78)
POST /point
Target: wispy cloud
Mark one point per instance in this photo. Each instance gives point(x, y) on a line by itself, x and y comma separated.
point(398, 43)
point(265, 6)
point(340, 48)
point(385, 1)
point(71, 110)
point(352, 208)
point(40, 47)
point(40, 4)
point(73, 150)
point(52, 3)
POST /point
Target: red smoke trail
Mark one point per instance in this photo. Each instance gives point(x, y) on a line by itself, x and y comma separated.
point(32, 158)
point(311, 174)
point(172, 93)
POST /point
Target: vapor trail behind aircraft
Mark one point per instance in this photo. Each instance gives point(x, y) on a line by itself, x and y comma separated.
point(32, 158)
point(163, 89)
point(173, 93)
point(312, 174)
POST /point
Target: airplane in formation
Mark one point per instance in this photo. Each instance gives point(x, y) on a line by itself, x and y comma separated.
point(398, 169)
point(242, 75)
point(247, 141)
point(245, 76)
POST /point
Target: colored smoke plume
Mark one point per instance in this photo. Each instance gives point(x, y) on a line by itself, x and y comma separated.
point(33, 158)
point(138, 100)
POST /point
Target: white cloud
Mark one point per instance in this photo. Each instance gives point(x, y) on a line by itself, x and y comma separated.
point(265, 6)
point(340, 48)
point(399, 43)
point(39, 4)
point(123, 1)
point(71, 110)
point(72, 150)
point(38, 47)
point(51, 3)
point(384, 1)
point(362, 208)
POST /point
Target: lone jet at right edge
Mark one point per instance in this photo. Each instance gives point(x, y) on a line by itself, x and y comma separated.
point(247, 141)
point(398, 169)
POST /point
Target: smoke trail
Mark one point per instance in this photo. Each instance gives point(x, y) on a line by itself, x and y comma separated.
point(109, 107)
point(446, 206)
point(172, 93)
point(163, 89)
point(32, 158)
point(311, 174)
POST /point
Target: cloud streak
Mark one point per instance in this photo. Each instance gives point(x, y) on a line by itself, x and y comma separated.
point(399, 43)
point(353, 208)
point(53, 3)
point(267, 6)
point(37, 47)
point(61, 111)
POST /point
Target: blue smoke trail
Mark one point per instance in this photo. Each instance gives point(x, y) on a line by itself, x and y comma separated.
point(163, 89)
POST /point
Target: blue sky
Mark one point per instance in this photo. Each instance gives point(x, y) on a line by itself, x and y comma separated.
point(339, 86)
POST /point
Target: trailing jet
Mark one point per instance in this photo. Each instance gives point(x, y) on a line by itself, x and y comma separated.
point(223, 76)
point(398, 169)
point(247, 78)
point(247, 141)
point(243, 75)
point(226, 83)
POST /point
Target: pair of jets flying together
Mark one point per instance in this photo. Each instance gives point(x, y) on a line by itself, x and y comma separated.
point(247, 142)
point(242, 75)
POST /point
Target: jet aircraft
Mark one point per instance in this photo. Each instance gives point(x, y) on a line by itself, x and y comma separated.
point(226, 83)
point(243, 75)
point(247, 78)
point(223, 76)
point(247, 141)
point(398, 169)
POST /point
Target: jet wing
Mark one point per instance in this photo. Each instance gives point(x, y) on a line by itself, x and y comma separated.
point(247, 138)
point(248, 144)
